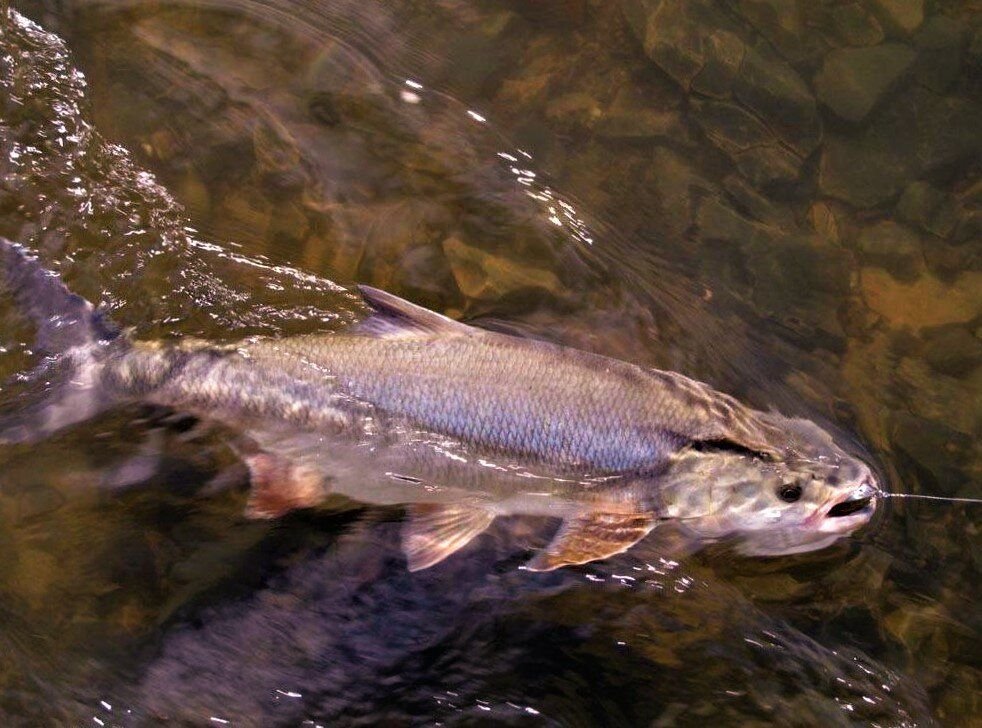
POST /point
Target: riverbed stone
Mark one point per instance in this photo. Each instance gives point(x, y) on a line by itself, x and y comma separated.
point(770, 164)
point(576, 110)
point(699, 45)
point(425, 275)
point(899, 16)
point(864, 171)
point(824, 222)
point(935, 447)
point(968, 228)
point(952, 350)
point(785, 23)
point(757, 206)
point(484, 276)
point(724, 56)
point(729, 126)
point(673, 183)
point(630, 116)
point(674, 33)
point(941, 45)
point(853, 25)
point(928, 395)
point(789, 275)
point(915, 133)
point(925, 206)
point(768, 86)
point(974, 50)
point(895, 248)
point(948, 261)
point(852, 81)
point(925, 302)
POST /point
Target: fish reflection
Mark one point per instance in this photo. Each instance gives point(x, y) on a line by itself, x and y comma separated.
point(462, 425)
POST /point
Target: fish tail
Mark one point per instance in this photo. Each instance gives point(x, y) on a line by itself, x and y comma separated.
point(73, 334)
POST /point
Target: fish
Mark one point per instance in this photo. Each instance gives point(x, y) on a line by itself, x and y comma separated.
point(460, 425)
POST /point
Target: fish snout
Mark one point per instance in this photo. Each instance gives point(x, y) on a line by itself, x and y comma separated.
point(852, 509)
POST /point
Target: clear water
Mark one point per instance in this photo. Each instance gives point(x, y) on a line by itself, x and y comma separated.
point(228, 169)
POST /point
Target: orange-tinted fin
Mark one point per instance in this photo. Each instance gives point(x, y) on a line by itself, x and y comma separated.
point(432, 532)
point(280, 486)
point(591, 537)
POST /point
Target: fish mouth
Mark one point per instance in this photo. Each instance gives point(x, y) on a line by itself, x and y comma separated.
point(855, 508)
point(849, 507)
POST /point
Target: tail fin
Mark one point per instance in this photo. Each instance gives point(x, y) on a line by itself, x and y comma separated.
point(69, 329)
point(64, 319)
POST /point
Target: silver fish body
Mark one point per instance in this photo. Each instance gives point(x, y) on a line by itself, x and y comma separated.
point(462, 425)
point(411, 407)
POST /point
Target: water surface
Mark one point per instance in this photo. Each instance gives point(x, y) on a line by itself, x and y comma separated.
point(711, 201)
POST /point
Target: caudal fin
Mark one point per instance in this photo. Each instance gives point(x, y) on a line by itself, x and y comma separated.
point(64, 319)
point(71, 331)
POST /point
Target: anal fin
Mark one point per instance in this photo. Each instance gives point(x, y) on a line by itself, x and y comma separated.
point(591, 537)
point(279, 486)
point(432, 531)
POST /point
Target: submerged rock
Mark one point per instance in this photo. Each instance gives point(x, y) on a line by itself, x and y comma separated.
point(925, 302)
point(704, 50)
point(758, 154)
point(673, 183)
point(935, 448)
point(853, 25)
point(767, 85)
point(769, 164)
point(901, 16)
point(933, 397)
point(975, 48)
point(790, 276)
point(825, 222)
point(952, 350)
point(724, 56)
point(893, 247)
point(674, 33)
point(852, 81)
point(948, 261)
point(785, 23)
point(630, 117)
point(928, 208)
point(483, 276)
point(916, 133)
point(941, 44)
point(969, 226)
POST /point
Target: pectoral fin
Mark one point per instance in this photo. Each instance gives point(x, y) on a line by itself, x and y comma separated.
point(432, 532)
point(280, 486)
point(591, 537)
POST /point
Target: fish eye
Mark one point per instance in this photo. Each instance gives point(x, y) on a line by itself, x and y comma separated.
point(789, 492)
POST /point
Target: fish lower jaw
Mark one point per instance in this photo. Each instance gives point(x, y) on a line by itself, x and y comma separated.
point(845, 524)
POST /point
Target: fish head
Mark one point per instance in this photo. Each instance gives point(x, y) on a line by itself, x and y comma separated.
point(803, 501)
point(805, 505)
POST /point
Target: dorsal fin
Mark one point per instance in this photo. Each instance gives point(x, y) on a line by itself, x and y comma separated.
point(394, 317)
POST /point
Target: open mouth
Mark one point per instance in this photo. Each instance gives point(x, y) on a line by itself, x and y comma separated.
point(858, 501)
point(847, 508)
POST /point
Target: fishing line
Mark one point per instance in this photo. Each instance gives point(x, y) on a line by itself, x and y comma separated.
point(949, 499)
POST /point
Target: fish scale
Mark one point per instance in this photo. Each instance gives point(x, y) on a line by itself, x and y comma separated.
point(465, 393)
